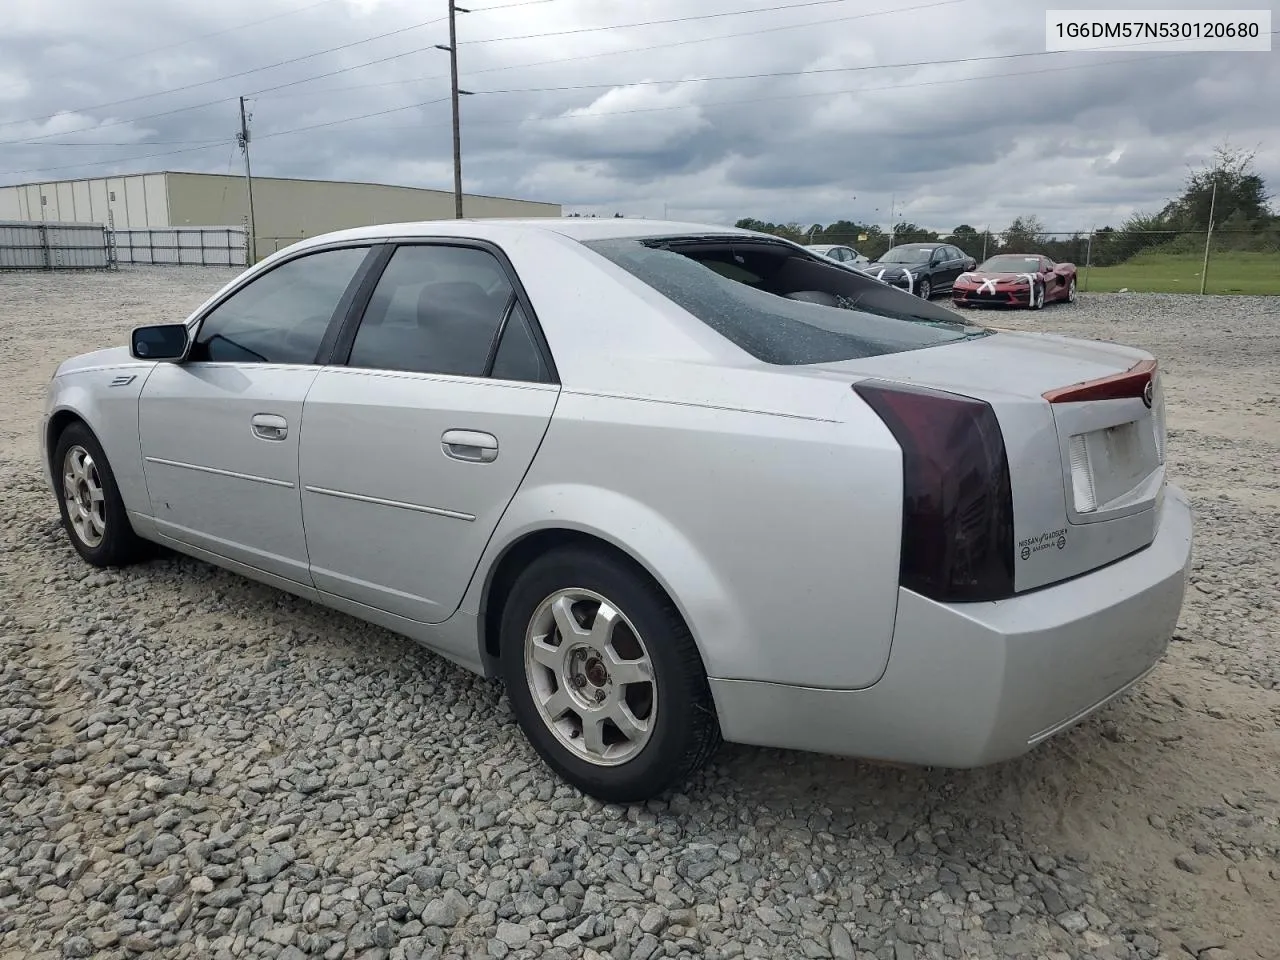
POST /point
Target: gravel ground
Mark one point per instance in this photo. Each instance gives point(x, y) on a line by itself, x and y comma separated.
point(192, 765)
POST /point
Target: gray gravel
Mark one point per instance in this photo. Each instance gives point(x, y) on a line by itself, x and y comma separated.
point(192, 765)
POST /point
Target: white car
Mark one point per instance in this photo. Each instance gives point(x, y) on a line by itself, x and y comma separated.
point(672, 483)
point(840, 253)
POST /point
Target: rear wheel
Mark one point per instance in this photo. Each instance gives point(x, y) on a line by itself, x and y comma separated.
point(89, 502)
point(1071, 291)
point(925, 289)
point(604, 677)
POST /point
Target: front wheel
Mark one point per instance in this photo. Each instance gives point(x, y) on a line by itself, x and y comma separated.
point(1037, 297)
point(1071, 291)
point(604, 677)
point(925, 290)
point(89, 502)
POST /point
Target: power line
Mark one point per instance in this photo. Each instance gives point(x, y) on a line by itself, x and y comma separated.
point(202, 36)
point(508, 121)
point(310, 56)
point(813, 71)
point(104, 163)
point(669, 20)
point(43, 138)
point(589, 56)
point(363, 116)
point(229, 76)
point(720, 36)
point(112, 143)
point(269, 66)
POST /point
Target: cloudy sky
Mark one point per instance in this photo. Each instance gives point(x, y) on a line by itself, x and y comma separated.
point(785, 110)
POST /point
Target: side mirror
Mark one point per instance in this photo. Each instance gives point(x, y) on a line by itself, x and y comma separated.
point(167, 341)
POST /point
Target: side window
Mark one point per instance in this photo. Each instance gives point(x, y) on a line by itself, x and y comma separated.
point(435, 309)
point(281, 316)
point(518, 355)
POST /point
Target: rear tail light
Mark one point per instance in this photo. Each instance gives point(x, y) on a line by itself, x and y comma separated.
point(957, 529)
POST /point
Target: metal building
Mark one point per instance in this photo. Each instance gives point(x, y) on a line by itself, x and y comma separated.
point(285, 210)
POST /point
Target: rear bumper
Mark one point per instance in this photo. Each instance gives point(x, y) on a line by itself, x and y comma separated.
point(972, 684)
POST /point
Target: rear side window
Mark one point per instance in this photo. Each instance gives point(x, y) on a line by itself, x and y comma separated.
point(518, 356)
point(435, 309)
point(782, 305)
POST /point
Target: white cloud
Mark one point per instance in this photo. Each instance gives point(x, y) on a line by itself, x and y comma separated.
point(1077, 139)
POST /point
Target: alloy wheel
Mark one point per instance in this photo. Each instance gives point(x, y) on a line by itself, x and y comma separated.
point(84, 497)
point(591, 676)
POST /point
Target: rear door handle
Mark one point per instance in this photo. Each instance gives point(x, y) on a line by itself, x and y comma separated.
point(267, 426)
point(470, 445)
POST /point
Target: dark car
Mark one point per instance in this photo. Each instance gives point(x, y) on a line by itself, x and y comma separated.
point(921, 268)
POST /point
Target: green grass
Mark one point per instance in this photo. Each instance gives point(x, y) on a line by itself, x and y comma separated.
point(1229, 272)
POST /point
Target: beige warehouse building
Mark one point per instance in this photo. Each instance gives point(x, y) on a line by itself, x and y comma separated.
point(285, 210)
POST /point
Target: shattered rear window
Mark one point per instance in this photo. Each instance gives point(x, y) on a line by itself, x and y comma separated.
point(782, 305)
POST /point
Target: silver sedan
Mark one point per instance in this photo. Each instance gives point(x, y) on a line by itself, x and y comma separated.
point(672, 483)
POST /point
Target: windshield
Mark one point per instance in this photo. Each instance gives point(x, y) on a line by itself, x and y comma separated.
point(1011, 264)
point(907, 255)
point(783, 306)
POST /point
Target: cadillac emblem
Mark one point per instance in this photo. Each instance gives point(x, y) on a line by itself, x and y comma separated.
point(1148, 394)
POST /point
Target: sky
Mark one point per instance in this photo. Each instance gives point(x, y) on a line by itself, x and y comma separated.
point(804, 111)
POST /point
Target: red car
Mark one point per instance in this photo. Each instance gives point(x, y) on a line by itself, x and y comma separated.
point(1015, 280)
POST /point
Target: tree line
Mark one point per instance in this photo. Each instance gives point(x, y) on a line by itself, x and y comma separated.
point(1242, 220)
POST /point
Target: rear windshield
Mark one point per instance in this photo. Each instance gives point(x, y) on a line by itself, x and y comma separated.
point(906, 255)
point(783, 305)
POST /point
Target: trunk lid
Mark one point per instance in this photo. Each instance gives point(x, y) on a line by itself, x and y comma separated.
point(1085, 449)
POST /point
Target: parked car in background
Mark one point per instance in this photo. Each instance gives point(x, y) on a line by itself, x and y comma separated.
point(840, 253)
point(1016, 280)
point(672, 483)
point(924, 269)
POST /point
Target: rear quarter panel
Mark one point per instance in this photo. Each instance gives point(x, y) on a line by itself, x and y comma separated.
point(777, 537)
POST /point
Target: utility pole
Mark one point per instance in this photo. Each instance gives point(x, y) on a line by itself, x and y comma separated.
point(1088, 256)
point(243, 139)
point(457, 132)
point(1204, 270)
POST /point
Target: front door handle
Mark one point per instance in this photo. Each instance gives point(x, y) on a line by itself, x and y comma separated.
point(470, 445)
point(267, 426)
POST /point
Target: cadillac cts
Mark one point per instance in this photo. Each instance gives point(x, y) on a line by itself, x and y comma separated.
point(673, 484)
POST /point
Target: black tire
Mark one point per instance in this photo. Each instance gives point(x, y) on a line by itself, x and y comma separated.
point(119, 545)
point(925, 289)
point(685, 732)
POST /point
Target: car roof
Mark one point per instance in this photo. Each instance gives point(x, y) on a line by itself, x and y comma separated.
point(578, 228)
point(917, 244)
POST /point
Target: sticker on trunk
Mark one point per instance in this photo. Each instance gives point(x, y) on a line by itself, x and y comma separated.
point(1050, 539)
